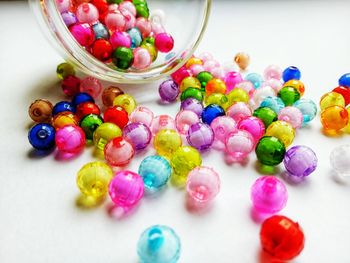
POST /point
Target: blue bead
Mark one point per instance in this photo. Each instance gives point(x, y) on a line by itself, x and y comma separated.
point(211, 112)
point(274, 103)
point(308, 108)
point(291, 73)
point(136, 37)
point(345, 80)
point(81, 98)
point(155, 172)
point(255, 78)
point(100, 31)
point(159, 244)
point(61, 107)
point(42, 136)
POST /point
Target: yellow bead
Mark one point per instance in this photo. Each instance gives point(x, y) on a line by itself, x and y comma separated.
point(126, 101)
point(105, 133)
point(237, 95)
point(93, 179)
point(334, 118)
point(184, 159)
point(297, 84)
point(189, 82)
point(64, 118)
point(331, 99)
point(347, 127)
point(218, 99)
point(166, 142)
point(283, 131)
point(215, 86)
point(193, 61)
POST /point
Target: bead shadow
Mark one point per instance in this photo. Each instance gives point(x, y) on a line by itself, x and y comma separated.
point(263, 257)
point(39, 154)
point(195, 208)
point(343, 181)
point(88, 202)
point(229, 160)
point(257, 216)
point(119, 213)
point(266, 170)
point(294, 180)
point(331, 134)
point(65, 157)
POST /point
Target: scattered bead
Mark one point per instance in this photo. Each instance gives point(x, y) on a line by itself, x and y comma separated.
point(70, 139)
point(138, 134)
point(166, 142)
point(200, 136)
point(42, 136)
point(40, 110)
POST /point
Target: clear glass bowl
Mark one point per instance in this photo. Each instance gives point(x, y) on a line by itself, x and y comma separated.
point(186, 21)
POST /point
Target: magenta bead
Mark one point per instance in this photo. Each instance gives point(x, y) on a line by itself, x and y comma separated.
point(180, 74)
point(126, 189)
point(292, 115)
point(184, 119)
point(162, 122)
point(120, 39)
point(222, 126)
point(119, 152)
point(164, 42)
point(142, 58)
point(239, 144)
point(200, 136)
point(206, 56)
point(273, 72)
point(92, 86)
point(87, 13)
point(83, 33)
point(239, 111)
point(71, 85)
point(127, 6)
point(269, 195)
point(63, 5)
point(196, 69)
point(138, 134)
point(70, 139)
point(254, 126)
point(143, 115)
point(144, 26)
point(232, 79)
point(115, 21)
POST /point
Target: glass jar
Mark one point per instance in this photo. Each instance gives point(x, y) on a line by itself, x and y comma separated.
point(186, 21)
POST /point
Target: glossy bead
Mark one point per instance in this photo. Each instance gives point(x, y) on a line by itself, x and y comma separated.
point(126, 189)
point(69, 18)
point(151, 49)
point(164, 42)
point(142, 9)
point(255, 78)
point(136, 37)
point(144, 26)
point(196, 69)
point(105, 133)
point(42, 136)
point(242, 59)
point(204, 77)
point(300, 161)
point(215, 86)
point(40, 110)
point(166, 142)
point(273, 83)
point(205, 56)
point(200, 136)
point(138, 134)
point(339, 159)
point(232, 79)
point(87, 108)
point(91, 86)
point(184, 119)
point(143, 115)
point(192, 93)
point(297, 84)
point(344, 80)
point(63, 5)
point(265, 114)
point(192, 104)
point(126, 101)
point(64, 70)
point(291, 73)
point(142, 58)
point(109, 94)
point(308, 109)
point(281, 237)
point(62, 106)
point(118, 152)
point(189, 82)
point(115, 21)
point(64, 118)
point(102, 49)
point(238, 111)
point(100, 31)
point(116, 115)
point(272, 72)
point(239, 144)
point(347, 127)
point(155, 172)
point(120, 39)
point(180, 74)
point(162, 122)
point(237, 95)
point(129, 6)
point(331, 99)
point(270, 151)
point(87, 13)
point(283, 131)
point(83, 34)
point(222, 126)
point(289, 95)
point(70, 139)
point(81, 98)
point(123, 57)
point(274, 103)
point(260, 94)
point(71, 85)
point(292, 115)
point(89, 124)
point(193, 61)
point(334, 118)
point(159, 244)
point(211, 112)
point(247, 86)
point(269, 195)
point(254, 126)
point(218, 99)
point(345, 92)
point(169, 91)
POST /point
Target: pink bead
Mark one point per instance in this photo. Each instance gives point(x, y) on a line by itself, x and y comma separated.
point(203, 184)
point(162, 122)
point(63, 5)
point(120, 39)
point(115, 21)
point(144, 26)
point(254, 126)
point(87, 13)
point(143, 115)
point(209, 65)
point(119, 152)
point(239, 144)
point(269, 195)
point(232, 79)
point(218, 72)
point(142, 58)
point(261, 93)
point(83, 34)
point(184, 119)
point(126, 189)
point(112, 8)
point(180, 74)
point(239, 111)
point(273, 83)
point(128, 6)
point(206, 56)
point(273, 72)
point(130, 20)
point(247, 86)
point(196, 69)
point(71, 85)
point(292, 115)
point(157, 28)
point(164, 42)
point(70, 139)
point(92, 86)
point(222, 126)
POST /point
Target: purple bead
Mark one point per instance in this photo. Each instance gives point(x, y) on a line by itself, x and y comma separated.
point(138, 134)
point(300, 161)
point(69, 18)
point(169, 91)
point(193, 105)
point(200, 136)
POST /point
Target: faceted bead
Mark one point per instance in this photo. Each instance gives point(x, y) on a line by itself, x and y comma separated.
point(270, 151)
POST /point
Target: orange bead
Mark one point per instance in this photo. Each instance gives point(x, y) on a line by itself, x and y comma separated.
point(242, 60)
point(334, 118)
point(297, 84)
point(193, 61)
point(215, 86)
point(64, 118)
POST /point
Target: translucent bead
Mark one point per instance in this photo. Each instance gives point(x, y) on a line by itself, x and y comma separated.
point(292, 115)
point(42, 136)
point(204, 77)
point(242, 59)
point(200, 136)
point(211, 112)
point(239, 111)
point(206, 56)
point(128, 6)
point(222, 126)
point(70, 139)
point(270, 151)
point(162, 122)
point(218, 99)
point(192, 93)
point(269, 195)
point(155, 172)
point(169, 91)
point(237, 95)
point(159, 244)
point(345, 80)
point(105, 133)
point(64, 70)
point(193, 61)
point(71, 85)
point(126, 101)
point(87, 108)
point(273, 72)
point(262, 93)
point(120, 39)
point(144, 26)
point(189, 82)
point(255, 78)
point(100, 31)
point(102, 50)
point(91, 86)
point(347, 127)
point(63, 5)
point(93, 179)
point(273, 83)
point(339, 159)
point(247, 86)
point(297, 84)
point(109, 94)
point(291, 73)
point(143, 115)
point(142, 58)
point(138, 134)
point(122, 58)
point(115, 21)
point(273, 102)
point(192, 104)
point(334, 118)
point(130, 20)
point(126, 189)
point(83, 33)
point(239, 144)
point(209, 65)
point(254, 126)
point(300, 161)
point(308, 109)
point(40, 110)
point(331, 99)
point(89, 124)
point(281, 130)
point(116, 115)
point(64, 118)
point(81, 98)
point(151, 49)
point(87, 13)
point(166, 142)
point(69, 18)
point(184, 119)
point(218, 72)
point(289, 95)
point(265, 114)
point(196, 69)
point(118, 152)
point(164, 42)
point(180, 74)
point(62, 106)
point(215, 86)
point(345, 92)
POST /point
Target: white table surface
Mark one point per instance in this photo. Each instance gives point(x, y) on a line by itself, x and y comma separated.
point(39, 218)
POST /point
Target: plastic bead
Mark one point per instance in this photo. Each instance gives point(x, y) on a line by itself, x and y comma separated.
point(347, 127)
point(345, 92)
point(100, 31)
point(211, 112)
point(247, 86)
point(193, 61)
point(83, 34)
point(116, 115)
point(272, 72)
point(62, 106)
point(71, 85)
point(115, 21)
point(215, 86)
point(118, 152)
point(200, 136)
point(196, 69)
point(87, 13)
point(270, 151)
point(64, 70)
point(138, 134)
point(334, 118)
point(87, 108)
point(151, 49)
point(126, 101)
point(218, 99)
point(242, 59)
point(180, 74)
point(255, 78)
point(142, 58)
point(40, 110)
point(237, 95)
point(205, 56)
point(262, 93)
point(300, 161)
point(273, 83)
point(93, 179)
point(184, 119)
point(192, 93)
point(283, 131)
point(289, 95)
point(91, 86)
point(331, 99)
point(281, 237)
point(164, 42)
point(192, 104)
point(344, 80)
point(102, 49)
point(159, 244)
point(162, 122)
point(222, 126)
point(123, 57)
point(105, 133)
point(269, 195)
point(254, 126)
point(136, 37)
point(232, 79)
point(168, 91)
point(89, 124)
point(166, 142)
point(109, 94)
point(81, 98)
point(297, 84)
point(70, 139)
point(308, 109)
point(141, 8)
point(189, 82)
point(62, 5)
point(143, 115)
point(204, 77)
point(239, 111)
point(239, 144)
point(120, 39)
point(126, 189)
point(155, 172)
point(273, 102)
point(42, 136)
point(64, 118)
point(144, 26)
point(292, 115)
point(69, 18)
point(291, 73)
point(339, 159)
point(265, 114)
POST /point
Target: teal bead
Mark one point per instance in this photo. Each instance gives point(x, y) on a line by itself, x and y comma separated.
point(289, 95)
point(265, 114)
point(89, 124)
point(192, 93)
point(270, 151)
point(123, 57)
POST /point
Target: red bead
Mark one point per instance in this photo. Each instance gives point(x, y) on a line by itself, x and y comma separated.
point(180, 74)
point(101, 5)
point(70, 85)
point(102, 49)
point(116, 115)
point(87, 108)
point(345, 92)
point(281, 237)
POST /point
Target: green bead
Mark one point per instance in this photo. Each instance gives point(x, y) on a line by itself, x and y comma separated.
point(64, 70)
point(204, 77)
point(151, 49)
point(270, 151)
point(149, 40)
point(289, 95)
point(265, 114)
point(141, 8)
point(123, 57)
point(114, 1)
point(89, 124)
point(192, 93)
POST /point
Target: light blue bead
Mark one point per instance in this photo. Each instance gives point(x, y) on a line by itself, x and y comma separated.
point(159, 244)
point(308, 109)
point(136, 37)
point(100, 31)
point(274, 103)
point(155, 172)
point(255, 78)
